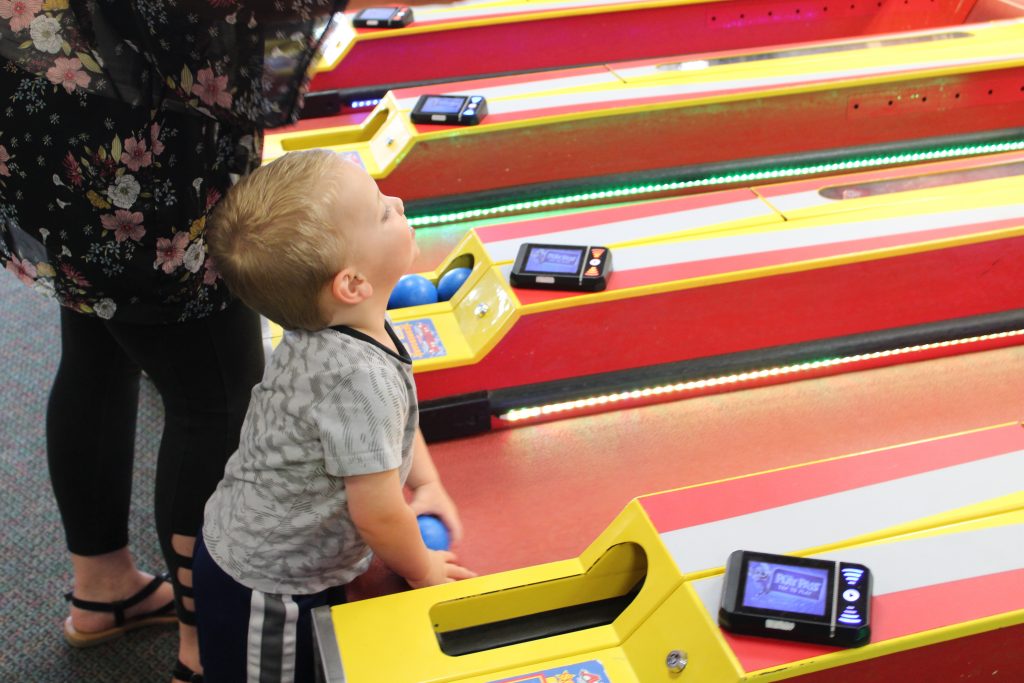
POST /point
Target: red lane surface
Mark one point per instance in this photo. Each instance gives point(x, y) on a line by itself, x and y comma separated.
point(543, 493)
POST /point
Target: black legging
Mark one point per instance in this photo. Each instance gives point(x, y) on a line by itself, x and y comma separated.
point(204, 371)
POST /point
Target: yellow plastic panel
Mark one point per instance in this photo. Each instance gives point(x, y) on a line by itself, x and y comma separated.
point(395, 138)
point(622, 567)
point(337, 43)
point(380, 140)
point(681, 624)
point(367, 630)
point(612, 661)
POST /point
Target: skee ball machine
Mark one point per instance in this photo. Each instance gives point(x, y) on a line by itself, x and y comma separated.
point(939, 523)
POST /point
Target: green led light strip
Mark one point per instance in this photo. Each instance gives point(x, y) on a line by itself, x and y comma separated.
point(635, 190)
point(519, 414)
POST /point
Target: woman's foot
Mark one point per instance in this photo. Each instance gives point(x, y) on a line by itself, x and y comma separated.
point(85, 621)
point(108, 579)
point(182, 673)
point(188, 655)
point(108, 590)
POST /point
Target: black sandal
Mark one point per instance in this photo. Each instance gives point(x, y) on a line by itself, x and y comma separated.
point(180, 672)
point(122, 623)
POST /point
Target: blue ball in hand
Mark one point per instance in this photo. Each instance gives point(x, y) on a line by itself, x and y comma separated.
point(450, 282)
point(434, 532)
point(412, 290)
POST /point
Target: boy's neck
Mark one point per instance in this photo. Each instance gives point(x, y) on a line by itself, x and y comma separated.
point(365, 318)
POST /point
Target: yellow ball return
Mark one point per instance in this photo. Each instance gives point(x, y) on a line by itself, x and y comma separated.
point(940, 524)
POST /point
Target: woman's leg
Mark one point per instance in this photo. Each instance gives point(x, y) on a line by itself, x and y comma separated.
point(90, 430)
point(204, 371)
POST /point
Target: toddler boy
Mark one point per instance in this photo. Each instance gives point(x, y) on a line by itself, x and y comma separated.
point(331, 434)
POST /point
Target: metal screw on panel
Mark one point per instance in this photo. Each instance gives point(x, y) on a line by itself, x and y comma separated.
point(389, 141)
point(481, 310)
point(676, 661)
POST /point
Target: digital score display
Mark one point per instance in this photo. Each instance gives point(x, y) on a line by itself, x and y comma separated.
point(796, 598)
point(784, 588)
point(436, 104)
point(377, 13)
point(382, 17)
point(561, 266)
point(553, 260)
point(460, 110)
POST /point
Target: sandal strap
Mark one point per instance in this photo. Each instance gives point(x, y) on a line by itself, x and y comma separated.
point(183, 673)
point(118, 607)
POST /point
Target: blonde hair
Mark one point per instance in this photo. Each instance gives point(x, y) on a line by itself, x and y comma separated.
point(273, 239)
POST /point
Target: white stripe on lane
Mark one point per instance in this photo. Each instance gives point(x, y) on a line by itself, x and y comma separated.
point(729, 245)
point(848, 514)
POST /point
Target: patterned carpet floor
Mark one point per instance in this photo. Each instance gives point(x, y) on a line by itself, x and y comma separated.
point(35, 571)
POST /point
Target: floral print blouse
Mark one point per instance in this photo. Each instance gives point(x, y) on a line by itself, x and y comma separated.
point(122, 122)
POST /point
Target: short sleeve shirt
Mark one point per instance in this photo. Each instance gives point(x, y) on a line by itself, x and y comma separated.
point(332, 404)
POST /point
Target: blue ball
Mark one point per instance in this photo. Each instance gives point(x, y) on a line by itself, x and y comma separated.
point(450, 282)
point(412, 290)
point(434, 532)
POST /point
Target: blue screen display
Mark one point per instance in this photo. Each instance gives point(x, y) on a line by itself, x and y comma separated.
point(440, 104)
point(377, 13)
point(546, 260)
point(786, 588)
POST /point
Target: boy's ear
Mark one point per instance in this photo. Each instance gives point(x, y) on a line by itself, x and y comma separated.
point(349, 287)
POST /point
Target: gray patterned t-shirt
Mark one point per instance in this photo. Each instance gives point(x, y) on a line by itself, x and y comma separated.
point(332, 404)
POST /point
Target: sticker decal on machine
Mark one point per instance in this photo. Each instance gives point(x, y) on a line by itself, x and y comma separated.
point(585, 672)
point(420, 338)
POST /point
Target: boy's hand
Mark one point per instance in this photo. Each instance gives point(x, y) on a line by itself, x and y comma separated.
point(431, 498)
point(443, 569)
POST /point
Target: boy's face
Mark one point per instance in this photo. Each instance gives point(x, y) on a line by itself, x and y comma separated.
point(381, 242)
